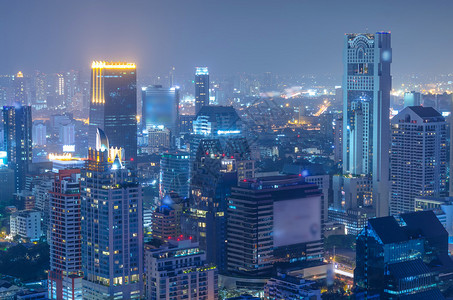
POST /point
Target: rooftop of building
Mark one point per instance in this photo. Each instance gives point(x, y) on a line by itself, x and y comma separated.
point(244, 297)
point(425, 111)
point(422, 114)
point(274, 182)
point(422, 224)
point(388, 230)
point(212, 110)
point(24, 213)
point(175, 247)
point(408, 268)
point(293, 279)
point(112, 65)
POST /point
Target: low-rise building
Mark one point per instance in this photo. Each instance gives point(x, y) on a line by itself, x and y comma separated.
point(26, 224)
point(179, 269)
point(290, 288)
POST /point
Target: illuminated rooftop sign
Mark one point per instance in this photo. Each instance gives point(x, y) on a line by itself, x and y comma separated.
point(202, 71)
point(64, 156)
point(219, 132)
point(112, 65)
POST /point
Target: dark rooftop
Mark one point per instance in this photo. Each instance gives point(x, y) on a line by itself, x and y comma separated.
point(408, 268)
point(425, 112)
point(388, 230)
point(216, 109)
point(421, 224)
point(424, 223)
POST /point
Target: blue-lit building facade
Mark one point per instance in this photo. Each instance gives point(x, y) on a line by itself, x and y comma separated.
point(174, 173)
point(201, 88)
point(214, 122)
point(113, 105)
point(160, 107)
point(404, 256)
point(17, 135)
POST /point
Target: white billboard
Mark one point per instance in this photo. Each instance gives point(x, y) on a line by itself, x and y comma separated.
point(297, 221)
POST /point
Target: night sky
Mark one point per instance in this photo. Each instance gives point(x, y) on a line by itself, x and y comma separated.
point(230, 36)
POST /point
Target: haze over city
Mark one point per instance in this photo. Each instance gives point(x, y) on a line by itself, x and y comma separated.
point(285, 37)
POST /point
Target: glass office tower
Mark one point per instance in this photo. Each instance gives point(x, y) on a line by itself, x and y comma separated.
point(160, 107)
point(113, 106)
point(201, 88)
point(17, 128)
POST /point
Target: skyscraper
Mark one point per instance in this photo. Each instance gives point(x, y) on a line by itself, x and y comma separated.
point(366, 104)
point(112, 226)
point(418, 157)
point(273, 219)
point(403, 258)
point(20, 90)
point(65, 277)
point(39, 133)
point(17, 128)
point(201, 88)
point(412, 99)
point(113, 106)
point(174, 173)
point(217, 167)
point(160, 107)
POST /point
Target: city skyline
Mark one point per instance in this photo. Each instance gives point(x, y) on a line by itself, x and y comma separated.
point(254, 150)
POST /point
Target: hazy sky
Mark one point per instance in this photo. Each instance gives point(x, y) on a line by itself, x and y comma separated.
point(229, 36)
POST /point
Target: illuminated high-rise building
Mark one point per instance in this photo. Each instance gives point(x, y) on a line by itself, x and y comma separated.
point(113, 106)
point(412, 99)
point(160, 107)
point(179, 270)
point(174, 173)
point(39, 133)
point(65, 278)
point(20, 89)
point(40, 90)
point(17, 128)
point(270, 220)
point(201, 88)
point(366, 132)
point(112, 226)
point(71, 86)
point(418, 158)
point(218, 165)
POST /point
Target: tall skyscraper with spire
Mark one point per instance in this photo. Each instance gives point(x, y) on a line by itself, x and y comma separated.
point(113, 105)
point(366, 126)
point(112, 225)
point(201, 88)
